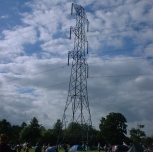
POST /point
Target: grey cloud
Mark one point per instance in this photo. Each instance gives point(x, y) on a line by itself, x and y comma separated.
point(116, 89)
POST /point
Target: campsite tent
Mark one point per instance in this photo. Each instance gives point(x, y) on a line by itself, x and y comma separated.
point(76, 148)
point(136, 148)
point(121, 148)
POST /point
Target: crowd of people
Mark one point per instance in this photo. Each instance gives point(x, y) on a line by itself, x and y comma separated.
point(124, 147)
point(5, 147)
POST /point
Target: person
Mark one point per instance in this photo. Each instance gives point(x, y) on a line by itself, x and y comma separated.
point(105, 147)
point(84, 146)
point(19, 147)
point(116, 148)
point(65, 147)
point(37, 148)
point(27, 148)
point(50, 148)
point(99, 147)
point(44, 147)
point(110, 148)
point(3, 144)
point(149, 150)
point(56, 148)
point(130, 145)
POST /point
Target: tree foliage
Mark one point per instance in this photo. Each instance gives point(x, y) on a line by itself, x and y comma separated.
point(5, 127)
point(57, 127)
point(113, 128)
point(48, 136)
point(32, 132)
point(15, 133)
point(137, 134)
point(23, 125)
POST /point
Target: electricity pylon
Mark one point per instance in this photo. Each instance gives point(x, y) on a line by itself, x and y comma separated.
point(79, 123)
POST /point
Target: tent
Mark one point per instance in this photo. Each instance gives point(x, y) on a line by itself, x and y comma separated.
point(122, 148)
point(136, 147)
point(76, 148)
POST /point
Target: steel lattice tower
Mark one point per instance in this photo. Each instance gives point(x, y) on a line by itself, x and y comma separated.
point(77, 93)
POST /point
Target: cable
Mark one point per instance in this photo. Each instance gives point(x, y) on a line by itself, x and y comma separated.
point(113, 32)
point(26, 51)
point(56, 85)
point(48, 70)
point(108, 76)
point(122, 4)
point(123, 50)
point(34, 74)
point(37, 27)
point(67, 18)
point(127, 75)
point(50, 85)
point(67, 66)
point(28, 30)
point(103, 52)
point(67, 39)
point(120, 60)
point(124, 26)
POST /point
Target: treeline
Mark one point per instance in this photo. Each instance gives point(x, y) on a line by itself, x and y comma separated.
point(31, 133)
point(112, 130)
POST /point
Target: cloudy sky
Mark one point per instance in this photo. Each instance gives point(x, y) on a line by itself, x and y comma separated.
point(34, 43)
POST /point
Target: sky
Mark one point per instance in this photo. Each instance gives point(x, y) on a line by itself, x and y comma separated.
point(34, 46)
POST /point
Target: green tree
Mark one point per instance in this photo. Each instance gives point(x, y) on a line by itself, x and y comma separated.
point(15, 134)
point(113, 128)
point(31, 133)
point(49, 137)
point(5, 127)
point(23, 125)
point(25, 135)
point(57, 127)
point(77, 133)
point(137, 134)
point(148, 141)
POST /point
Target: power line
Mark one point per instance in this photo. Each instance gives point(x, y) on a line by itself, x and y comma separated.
point(27, 30)
point(48, 70)
point(88, 36)
point(27, 51)
point(122, 4)
point(126, 75)
point(104, 76)
point(121, 60)
point(114, 32)
point(125, 26)
point(56, 85)
point(67, 44)
point(57, 20)
point(34, 74)
point(33, 49)
point(123, 50)
point(142, 58)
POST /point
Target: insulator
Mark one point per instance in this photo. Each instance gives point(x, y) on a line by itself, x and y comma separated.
point(72, 9)
point(87, 25)
point(87, 70)
point(87, 47)
point(68, 57)
point(70, 33)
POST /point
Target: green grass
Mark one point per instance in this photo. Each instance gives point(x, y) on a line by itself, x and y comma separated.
point(62, 150)
point(30, 150)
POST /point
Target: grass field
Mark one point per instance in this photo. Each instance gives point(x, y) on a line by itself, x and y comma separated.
point(61, 150)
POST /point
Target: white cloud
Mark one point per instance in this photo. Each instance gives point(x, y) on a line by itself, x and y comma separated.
point(4, 16)
point(35, 78)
